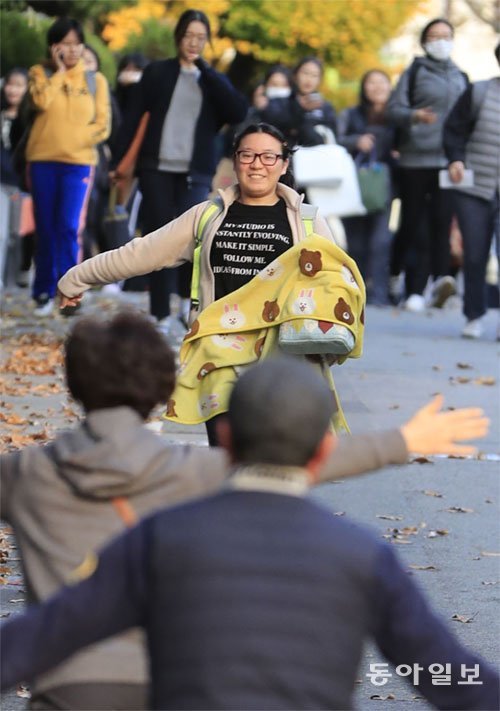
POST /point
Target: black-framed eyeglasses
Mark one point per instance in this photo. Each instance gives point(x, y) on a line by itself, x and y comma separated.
point(267, 158)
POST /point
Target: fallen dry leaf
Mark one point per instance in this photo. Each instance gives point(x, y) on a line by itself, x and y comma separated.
point(464, 366)
point(487, 380)
point(23, 692)
point(377, 697)
point(459, 379)
point(421, 460)
point(423, 567)
point(431, 492)
point(488, 554)
point(463, 618)
point(436, 367)
point(389, 517)
point(393, 407)
point(459, 509)
point(437, 532)
point(490, 582)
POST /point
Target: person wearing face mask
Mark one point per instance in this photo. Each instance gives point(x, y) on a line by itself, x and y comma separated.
point(302, 114)
point(418, 107)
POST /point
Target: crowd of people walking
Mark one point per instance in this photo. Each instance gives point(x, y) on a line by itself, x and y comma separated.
point(169, 140)
point(245, 594)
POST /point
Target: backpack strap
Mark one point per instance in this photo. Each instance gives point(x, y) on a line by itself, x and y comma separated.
point(308, 215)
point(210, 213)
point(212, 210)
point(125, 510)
point(91, 82)
point(412, 78)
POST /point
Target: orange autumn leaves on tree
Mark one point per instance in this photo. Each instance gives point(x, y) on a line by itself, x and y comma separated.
point(346, 34)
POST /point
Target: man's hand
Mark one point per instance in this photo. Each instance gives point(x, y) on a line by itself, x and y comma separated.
point(456, 171)
point(68, 301)
point(425, 115)
point(432, 431)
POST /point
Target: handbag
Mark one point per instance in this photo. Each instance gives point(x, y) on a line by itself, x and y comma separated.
point(373, 179)
point(115, 223)
point(126, 167)
point(319, 166)
point(308, 336)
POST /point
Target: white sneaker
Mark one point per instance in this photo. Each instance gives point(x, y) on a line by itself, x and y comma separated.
point(415, 303)
point(442, 289)
point(473, 329)
point(44, 309)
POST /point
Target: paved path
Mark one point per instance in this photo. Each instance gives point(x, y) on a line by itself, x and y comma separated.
point(407, 359)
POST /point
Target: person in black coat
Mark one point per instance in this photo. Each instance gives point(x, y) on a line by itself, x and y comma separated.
point(188, 102)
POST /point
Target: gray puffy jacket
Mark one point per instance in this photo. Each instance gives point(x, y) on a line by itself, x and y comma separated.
point(436, 84)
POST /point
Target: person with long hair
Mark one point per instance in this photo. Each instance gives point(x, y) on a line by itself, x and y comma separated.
point(366, 133)
point(188, 102)
point(304, 116)
point(72, 116)
point(14, 87)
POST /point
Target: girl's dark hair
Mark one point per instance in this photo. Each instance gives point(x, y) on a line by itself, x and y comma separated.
point(60, 28)
point(121, 362)
point(97, 59)
point(185, 19)
point(4, 104)
point(287, 178)
point(135, 58)
point(307, 60)
point(423, 34)
point(363, 99)
point(278, 69)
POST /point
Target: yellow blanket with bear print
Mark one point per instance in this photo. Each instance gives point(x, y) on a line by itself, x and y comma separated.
point(314, 278)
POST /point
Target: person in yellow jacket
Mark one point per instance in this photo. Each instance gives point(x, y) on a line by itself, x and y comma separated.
point(72, 116)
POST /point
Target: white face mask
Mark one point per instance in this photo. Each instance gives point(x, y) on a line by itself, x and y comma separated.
point(278, 92)
point(129, 77)
point(439, 49)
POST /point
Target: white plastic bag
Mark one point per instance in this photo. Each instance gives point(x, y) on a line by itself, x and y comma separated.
point(344, 199)
point(319, 166)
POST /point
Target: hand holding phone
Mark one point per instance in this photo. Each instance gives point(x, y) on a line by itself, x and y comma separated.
point(57, 54)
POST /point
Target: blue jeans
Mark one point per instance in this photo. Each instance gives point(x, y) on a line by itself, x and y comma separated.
point(60, 192)
point(478, 220)
point(369, 244)
point(165, 196)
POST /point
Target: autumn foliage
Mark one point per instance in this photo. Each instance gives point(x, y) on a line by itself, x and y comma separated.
point(346, 34)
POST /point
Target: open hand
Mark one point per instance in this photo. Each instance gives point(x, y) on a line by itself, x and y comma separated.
point(434, 431)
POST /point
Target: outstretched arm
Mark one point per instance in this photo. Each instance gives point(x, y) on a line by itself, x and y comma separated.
point(430, 431)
